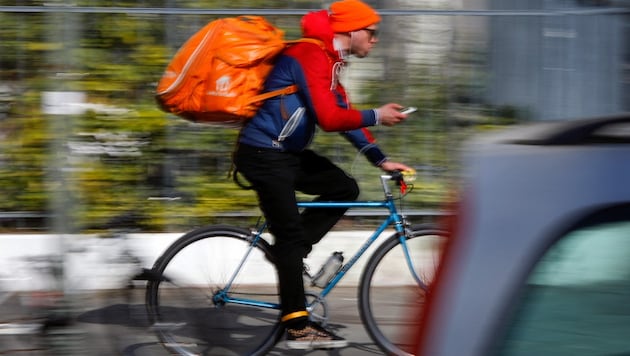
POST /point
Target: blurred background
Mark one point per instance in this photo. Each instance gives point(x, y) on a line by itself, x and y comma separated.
point(84, 142)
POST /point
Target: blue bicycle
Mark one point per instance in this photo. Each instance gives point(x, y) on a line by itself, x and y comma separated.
point(215, 292)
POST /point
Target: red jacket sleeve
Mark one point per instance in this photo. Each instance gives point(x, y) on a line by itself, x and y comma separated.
point(328, 98)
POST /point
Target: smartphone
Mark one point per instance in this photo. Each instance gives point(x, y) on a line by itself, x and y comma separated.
point(409, 110)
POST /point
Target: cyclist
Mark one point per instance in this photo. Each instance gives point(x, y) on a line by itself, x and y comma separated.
point(273, 154)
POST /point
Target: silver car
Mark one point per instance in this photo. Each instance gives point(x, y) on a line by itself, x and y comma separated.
point(539, 262)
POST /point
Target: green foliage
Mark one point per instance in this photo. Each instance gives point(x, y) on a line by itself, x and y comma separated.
point(123, 152)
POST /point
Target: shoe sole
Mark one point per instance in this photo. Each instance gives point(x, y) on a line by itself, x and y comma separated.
point(308, 345)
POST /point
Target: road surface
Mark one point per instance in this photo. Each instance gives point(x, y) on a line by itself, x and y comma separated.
point(114, 323)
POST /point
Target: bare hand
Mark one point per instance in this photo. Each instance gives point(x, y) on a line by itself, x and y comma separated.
point(390, 166)
point(390, 115)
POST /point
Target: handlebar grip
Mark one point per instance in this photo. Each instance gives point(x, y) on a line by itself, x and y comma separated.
point(401, 178)
point(395, 175)
point(406, 175)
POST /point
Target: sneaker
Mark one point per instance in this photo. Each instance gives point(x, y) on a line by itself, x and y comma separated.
point(313, 336)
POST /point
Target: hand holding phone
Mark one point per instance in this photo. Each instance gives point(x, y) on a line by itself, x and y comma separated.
point(409, 110)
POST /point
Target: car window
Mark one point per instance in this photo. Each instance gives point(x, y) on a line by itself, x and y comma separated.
point(577, 298)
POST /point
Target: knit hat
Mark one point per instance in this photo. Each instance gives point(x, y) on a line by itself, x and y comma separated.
point(351, 15)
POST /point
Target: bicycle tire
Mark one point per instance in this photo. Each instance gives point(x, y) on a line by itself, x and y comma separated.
point(390, 299)
point(180, 304)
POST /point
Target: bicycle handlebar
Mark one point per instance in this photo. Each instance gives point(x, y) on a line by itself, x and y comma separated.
point(400, 177)
point(407, 175)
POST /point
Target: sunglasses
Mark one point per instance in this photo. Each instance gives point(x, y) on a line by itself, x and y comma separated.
point(373, 32)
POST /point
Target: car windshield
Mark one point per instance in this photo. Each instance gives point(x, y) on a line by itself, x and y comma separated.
point(575, 300)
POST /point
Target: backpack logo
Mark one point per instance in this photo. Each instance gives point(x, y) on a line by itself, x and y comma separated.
point(222, 87)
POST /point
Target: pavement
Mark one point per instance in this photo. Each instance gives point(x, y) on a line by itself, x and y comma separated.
point(114, 323)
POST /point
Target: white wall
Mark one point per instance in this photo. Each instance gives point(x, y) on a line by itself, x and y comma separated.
point(100, 263)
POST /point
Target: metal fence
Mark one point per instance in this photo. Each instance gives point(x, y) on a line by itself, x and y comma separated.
point(467, 70)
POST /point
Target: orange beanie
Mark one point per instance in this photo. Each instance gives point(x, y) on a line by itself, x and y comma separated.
point(351, 15)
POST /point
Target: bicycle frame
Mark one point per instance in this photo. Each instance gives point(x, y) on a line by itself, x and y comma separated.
point(393, 219)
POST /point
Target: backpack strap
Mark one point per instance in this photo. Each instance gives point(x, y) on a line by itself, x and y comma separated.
point(270, 94)
point(291, 88)
point(307, 40)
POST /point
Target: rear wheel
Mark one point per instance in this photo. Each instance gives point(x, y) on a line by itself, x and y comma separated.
point(391, 297)
point(186, 301)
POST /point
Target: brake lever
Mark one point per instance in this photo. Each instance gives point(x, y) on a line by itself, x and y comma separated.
point(402, 177)
point(399, 178)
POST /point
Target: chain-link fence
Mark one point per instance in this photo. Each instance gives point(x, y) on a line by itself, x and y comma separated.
point(83, 140)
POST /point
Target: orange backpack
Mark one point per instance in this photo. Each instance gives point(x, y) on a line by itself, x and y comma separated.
point(217, 75)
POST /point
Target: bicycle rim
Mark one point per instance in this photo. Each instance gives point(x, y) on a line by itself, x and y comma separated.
point(391, 300)
point(182, 307)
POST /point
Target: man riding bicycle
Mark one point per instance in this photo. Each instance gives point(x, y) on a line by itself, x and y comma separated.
point(273, 154)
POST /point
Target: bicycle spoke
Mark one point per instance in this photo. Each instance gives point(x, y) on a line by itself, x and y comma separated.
point(189, 319)
point(391, 299)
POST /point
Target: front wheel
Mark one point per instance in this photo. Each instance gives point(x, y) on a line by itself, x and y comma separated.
point(201, 300)
point(391, 296)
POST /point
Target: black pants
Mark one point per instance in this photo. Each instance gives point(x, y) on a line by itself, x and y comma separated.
point(276, 176)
